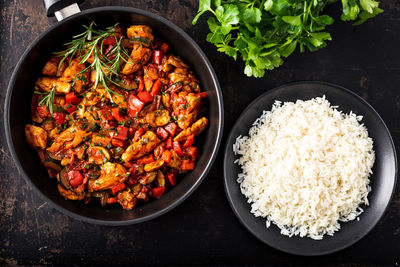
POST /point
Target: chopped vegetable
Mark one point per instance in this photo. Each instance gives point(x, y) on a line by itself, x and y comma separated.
point(135, 105)
point(75, 178)
point(118, 188)
point(158, 191)
point(155, 90)
point(171, 179)
point(145, 97)
point(162, 133)
point(71, 98)
point(122, 133)
point(157, 56)
point(187, 165)
point(189, 141)
point(171, 128)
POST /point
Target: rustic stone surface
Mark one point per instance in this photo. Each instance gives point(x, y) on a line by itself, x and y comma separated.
point(203, 230)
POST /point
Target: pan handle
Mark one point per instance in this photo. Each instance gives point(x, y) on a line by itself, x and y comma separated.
point(61, 8)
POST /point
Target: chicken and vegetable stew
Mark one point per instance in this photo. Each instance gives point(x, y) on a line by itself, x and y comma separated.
point(115, 116)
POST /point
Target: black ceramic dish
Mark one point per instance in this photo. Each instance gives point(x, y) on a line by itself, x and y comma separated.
point(383, 180)
point(20, 90)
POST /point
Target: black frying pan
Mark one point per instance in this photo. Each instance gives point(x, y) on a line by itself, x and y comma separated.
point(21, 86)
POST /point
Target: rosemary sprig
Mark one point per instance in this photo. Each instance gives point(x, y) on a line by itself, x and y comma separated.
point(47, 99)
point(106, 64)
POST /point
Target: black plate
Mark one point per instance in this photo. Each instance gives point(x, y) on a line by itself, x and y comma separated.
point(383, 180)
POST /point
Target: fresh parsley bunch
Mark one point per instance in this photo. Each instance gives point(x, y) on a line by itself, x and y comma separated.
point(262, 32)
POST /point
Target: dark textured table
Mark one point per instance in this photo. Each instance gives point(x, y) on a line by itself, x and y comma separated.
point(202, 230)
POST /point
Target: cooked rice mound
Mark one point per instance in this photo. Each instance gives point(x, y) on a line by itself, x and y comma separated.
point(306, 167)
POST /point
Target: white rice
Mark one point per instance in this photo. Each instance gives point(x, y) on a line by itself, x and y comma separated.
point(306, 167)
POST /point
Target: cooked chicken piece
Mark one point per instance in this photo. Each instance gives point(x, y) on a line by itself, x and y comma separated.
point(69, 138)
point(150, 71)
point(73, 73)
point(147, 143)
point(180, 75)
point(51, 67)
point(100, 139)
point(150, 74)
point(77, 152)
point(48, 125)
point(59, 100)
point(186, 107)
point(111, 174)
point(36, 136)
point(93, 97)
point(98, 155)
point(176, 161)
point(155, 165)
point(139, 56)
point(177, 62)
point(141, 31)
point(127, 199)
point(118, 98)
point(158, 117)
point(46, 84)
point(70, 194)
point(195, 129)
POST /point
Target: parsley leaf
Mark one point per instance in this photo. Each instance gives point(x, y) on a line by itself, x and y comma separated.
point(262, 33)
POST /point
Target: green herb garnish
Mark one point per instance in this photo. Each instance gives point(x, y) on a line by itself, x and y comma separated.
point(107, 64)
point(47, 99)
point(263, 32)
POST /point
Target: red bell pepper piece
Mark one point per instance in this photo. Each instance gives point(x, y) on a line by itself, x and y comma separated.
point(166, 156)
point(189, 141)
point(117, 142)
point(106, 114)
point(43, 111)
point(70, 108)
point(177, 148)
point(138, 134)
point(203, 94)
point(112, 200)
point(118, 188)
point(75, 178)
point(192, 152)
point(171, 179)
point(135, 105)
point(162, 133)
point(146, 159)
point(71, 98)
point(145, 97)
point(169, 142)
point(122, 133)
point(60, 117)
point(164, 48)
point(110, 40)
point(141, 83)
point(158, 191)
point(157, 56)
point(187, 165)
point(155, 90)
point(171, 128)
point(117, 115)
